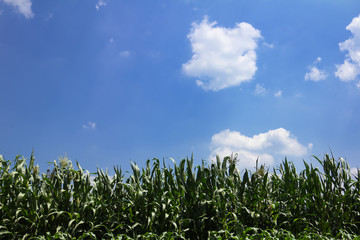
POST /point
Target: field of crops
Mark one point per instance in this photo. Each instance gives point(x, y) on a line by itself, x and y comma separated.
point(182, 201)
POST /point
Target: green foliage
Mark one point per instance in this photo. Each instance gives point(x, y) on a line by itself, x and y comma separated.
point(210, 201)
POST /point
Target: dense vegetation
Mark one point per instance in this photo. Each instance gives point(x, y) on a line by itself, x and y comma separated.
point(211, 201)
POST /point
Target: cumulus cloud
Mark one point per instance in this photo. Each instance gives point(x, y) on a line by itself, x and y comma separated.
point(278, 93)
point(264, 146)
point(222, 57)
point(350, 69)
point(22, 6)
point(100, 3)
point(347, 71)
point(315, 74)
point(89, 125)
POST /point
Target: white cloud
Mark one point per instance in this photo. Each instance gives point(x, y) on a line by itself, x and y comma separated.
point(260, 90)
point(350, 69)
point(90, 125)
point(310, 146)
point(124, 53)
point(354, 171)
point(315, 74)
point(222, 57)
point(101, 3)
point(111, 40)
point(347, 71)
point(269, 45)
point(278, 93)
point(265, 146)
point(23, 6)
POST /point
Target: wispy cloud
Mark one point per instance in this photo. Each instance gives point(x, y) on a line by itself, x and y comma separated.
point(222, 57)
point(100, 3)
point(314, 73)
point(269, 45)
point(89, 125)
point(49, 16)
point(124, 53)
point(265, 146)
point(22, 6)
point(260, 90)
point(350, 69)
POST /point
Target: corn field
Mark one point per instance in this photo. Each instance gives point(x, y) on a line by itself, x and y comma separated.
point(210, 201)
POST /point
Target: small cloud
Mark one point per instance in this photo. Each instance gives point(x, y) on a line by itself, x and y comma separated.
point(260, 90)
point(315, 74)
point(101, 3)
point(22, 6)
point(111, 40)
point(89, 125)
point(222, 57)
point(124, 53)
point(278, 93)
point(267, 146)
point(199, 83)
point(269, 45)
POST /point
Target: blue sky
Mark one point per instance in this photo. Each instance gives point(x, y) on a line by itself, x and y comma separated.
point(113, 81)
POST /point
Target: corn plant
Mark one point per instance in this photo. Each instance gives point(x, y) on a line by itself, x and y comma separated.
point(211, 201)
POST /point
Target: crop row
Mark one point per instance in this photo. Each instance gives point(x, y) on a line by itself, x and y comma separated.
point(210, 201)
